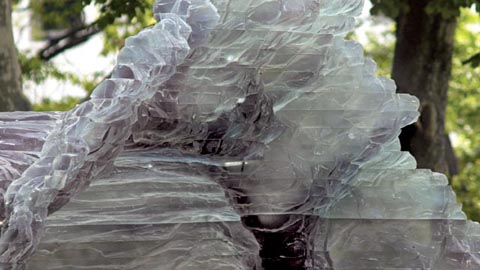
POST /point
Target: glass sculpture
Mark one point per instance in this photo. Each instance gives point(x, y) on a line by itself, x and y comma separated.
point(233, 134)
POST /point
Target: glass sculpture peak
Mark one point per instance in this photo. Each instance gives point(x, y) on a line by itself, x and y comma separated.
point(233, 134)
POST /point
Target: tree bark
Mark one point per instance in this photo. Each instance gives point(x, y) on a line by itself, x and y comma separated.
point(422, 67)
point(11, 95)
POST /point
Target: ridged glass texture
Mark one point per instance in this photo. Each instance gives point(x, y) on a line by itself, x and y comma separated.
point(234, 134)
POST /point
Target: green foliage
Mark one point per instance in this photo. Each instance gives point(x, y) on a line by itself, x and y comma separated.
point(389, 8)
point(48, 105)
point(383, 57)
point(463, 112)
point(450, 8)
point(123, 27)
point(36, 70)
point(58, 13)
point(111, 10)
point(446, 8)
point(55, 14)
point(117, 19)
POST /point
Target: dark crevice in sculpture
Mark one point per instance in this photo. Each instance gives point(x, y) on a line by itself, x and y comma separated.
point(286, 247)
point(407, 133)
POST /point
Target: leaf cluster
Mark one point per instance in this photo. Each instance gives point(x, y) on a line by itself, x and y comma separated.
point(117, 20)
point(56, 15)
point(446, 8)
point(115, 33)
point(389, 8)
point(111, 10)
point(55, 11)
point(36, 70)
point(463, 112)
point(48, 105)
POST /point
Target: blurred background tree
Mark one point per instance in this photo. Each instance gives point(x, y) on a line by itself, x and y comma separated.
point(463, 104)
point(11, 94)
point(422, 66)
point(61, 25)
point(463, 112)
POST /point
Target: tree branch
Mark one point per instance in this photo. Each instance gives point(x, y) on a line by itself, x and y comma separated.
point(474, 61)
point(68, 40)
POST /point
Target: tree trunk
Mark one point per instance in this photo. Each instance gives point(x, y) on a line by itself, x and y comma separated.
point(11, 95)
point(422, 67)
